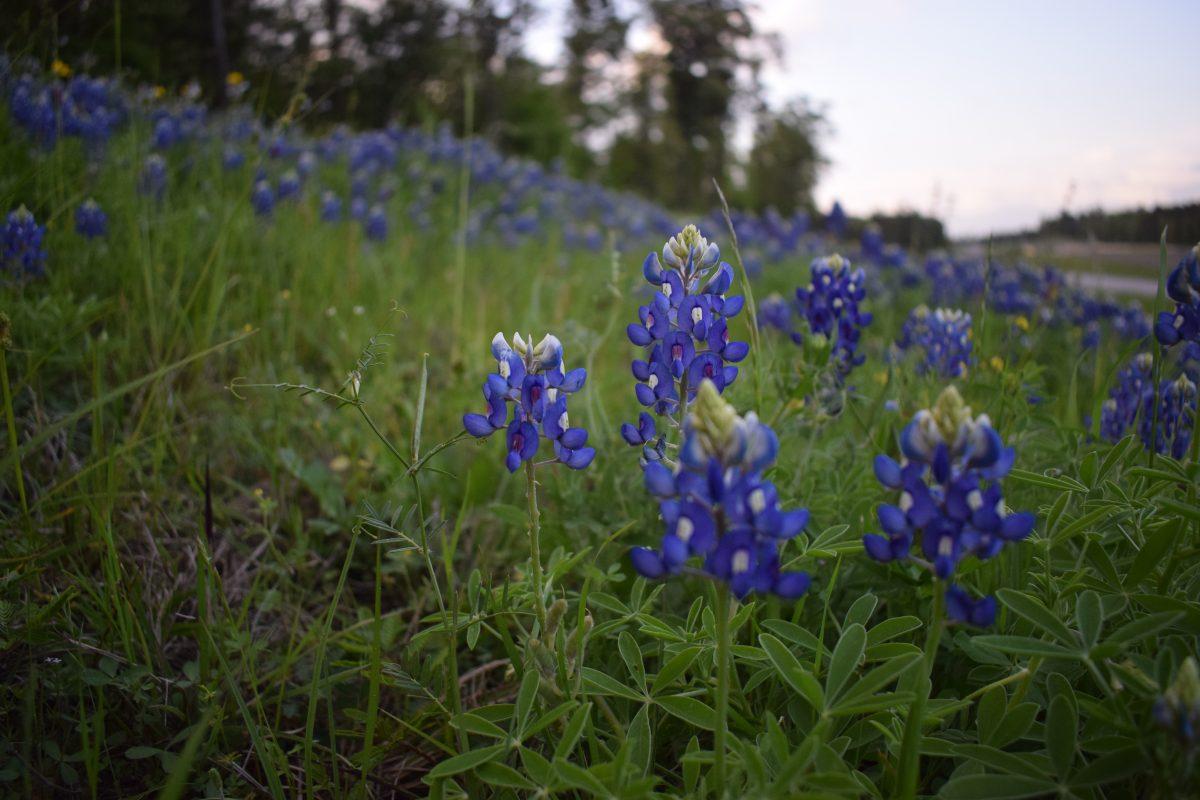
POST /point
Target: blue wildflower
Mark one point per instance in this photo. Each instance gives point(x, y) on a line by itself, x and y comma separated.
point(1172, 431)
point(836, 221)
point(943, 337)
point(534, 380)
point(153, 179)
point(232, 158)
point(715, 504)
point(90, 220)
point(1178, 709)
point(1119, 411)
point(684, 328)
point(331, 207)
point(262, 198)
point(830, 306)
point(376, 224)
point(1183, 286)
point(289, 185)
point(22, 247)
point(950, 496)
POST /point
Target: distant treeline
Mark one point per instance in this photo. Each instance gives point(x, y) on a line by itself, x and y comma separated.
point(1134, 225)
point(658, 122)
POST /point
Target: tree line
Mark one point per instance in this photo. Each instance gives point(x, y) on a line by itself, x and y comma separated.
point(658, 120)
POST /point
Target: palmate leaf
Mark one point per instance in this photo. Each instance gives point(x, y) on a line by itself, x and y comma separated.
point(844, 660)
point(466, 761)
point(1025, 646)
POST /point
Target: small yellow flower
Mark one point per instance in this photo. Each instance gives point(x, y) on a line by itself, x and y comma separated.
point(881, 377)
point(339, 464)
point(247, 328)
point(258, 492)
point(60, 68)
point(160, 92)
point(235, 78)
point(286, 294)
point(1023, 323)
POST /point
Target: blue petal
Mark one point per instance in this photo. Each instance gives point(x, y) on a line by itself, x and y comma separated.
point(477, 425)
point(647, 562)
point(659, 480)
point(877, 547)
point(887, 471)
point(790, 585)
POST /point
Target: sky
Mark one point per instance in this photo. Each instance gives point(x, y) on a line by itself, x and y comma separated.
point(990, 114)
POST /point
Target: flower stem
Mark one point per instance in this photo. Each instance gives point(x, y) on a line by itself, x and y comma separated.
point(535, 550)
point(910, 745)
point(721, 612)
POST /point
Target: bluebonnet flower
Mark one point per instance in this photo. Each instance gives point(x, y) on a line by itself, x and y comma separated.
point(718, 508)
point(1124, 401)
point(1178, 710)
point(22, 247)
point(232, 157)
point(836, 222)
point(289, 185)
point(684, 327)
point(950, 496)
point(774, 312)
point(90, 220)
point(534, 380)
point(376, 224)
point(1172, 431)
point(262, 198)
point(944, 338)
point(830, 306)
point(331, 207)
point(153, 179)
point(1183, 286)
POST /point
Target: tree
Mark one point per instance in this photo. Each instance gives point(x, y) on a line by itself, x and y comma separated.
point(786, 159)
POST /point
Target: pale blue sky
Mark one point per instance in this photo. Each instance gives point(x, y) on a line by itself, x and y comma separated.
point(996, 108)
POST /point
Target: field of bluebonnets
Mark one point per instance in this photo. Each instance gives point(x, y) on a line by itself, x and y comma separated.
point(285, 515)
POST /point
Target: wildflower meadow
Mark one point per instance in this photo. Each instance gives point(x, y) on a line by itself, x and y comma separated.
point(376, 463)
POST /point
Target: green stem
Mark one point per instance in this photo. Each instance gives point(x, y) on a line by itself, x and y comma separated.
point(535, 550)
point(721, 612)
point(910, 745)
point(10, 418)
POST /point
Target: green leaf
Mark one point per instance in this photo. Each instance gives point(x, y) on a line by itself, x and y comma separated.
point(473, 723)
point(1143, 627)
point(878, 678)
point(844, 660)
point(862, 609)
point(497, 774)
point(990, 712)
point(1032, 610)
point(1153, 551)
point(570, 735)
point(141, 751)
point(526, 696)
point(1061, 725)
point(465, 761)
point(578, 778)
point(1024, 646)
point(631, 654)
point(1089, 616)
point(1009, 763)
point(790, 669)
point(1061, 483)
point(1111, 767)
point(690, 710)
point(597, 682)
point(639, 741)
point(990, 787)
point(675, 667)
point(1016, 723)
point(890, 628)
point(1172, 506)
point(872, 703)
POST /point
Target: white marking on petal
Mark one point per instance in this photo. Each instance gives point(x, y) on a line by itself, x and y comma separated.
point(758, 501)
point(697, 314)
point(562, 421)
point(740, 562)
point(652, 381)
point(505, 369)
point(975, 500)
point(906, 502)
point(684, 529)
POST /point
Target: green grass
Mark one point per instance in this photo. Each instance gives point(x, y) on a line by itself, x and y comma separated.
point(217, 584)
